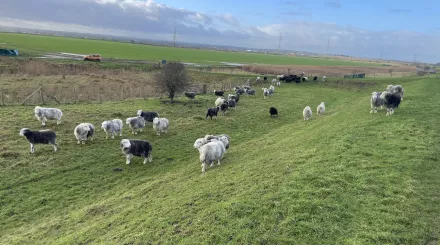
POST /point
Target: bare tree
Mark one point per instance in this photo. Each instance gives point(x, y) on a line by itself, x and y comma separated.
point(172, 79)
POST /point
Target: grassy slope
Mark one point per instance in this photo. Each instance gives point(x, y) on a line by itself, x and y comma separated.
point(348, 177)
point(35, 43)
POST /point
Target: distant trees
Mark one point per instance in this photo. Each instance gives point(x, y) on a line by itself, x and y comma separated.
point(172, 79)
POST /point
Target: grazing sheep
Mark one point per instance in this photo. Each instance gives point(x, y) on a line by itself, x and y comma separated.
point(190, 95)
point(315, 78)
point(237, 98)
point(273, 112)
point(392, 101)
point(323, 78)
point(219, 93)
point(224, 107)
point(140, 148)
point(232, 103)
point(135, 123)
point(307, 113)
point(219, 101)
point(376, 101)
point(265, 92)
point(83, 132)
point(112, 127)
point(147, 115)
point(274, 81)
point(210, 152)
point(44, 114)
point(212, 112)
point(161, 125)
point(250, 92)
point(320, 110)
point(231, 96)
point(39, 137)
point(396, 89)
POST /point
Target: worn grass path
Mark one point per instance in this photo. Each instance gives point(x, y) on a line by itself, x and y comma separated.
point(349, 177)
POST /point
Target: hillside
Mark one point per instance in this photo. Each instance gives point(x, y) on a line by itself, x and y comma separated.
point(349, 177)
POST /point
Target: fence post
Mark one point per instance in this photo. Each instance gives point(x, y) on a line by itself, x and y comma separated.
point(74, 96)
point(41, 95)
point(3, 98)
point(204, 89)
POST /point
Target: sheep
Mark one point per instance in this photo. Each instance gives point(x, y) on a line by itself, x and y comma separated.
point(83, 132)
point(210, 152)
point(258, 80)
point(136, 124)
point(280, 77)
point(278, 83)
point(274, 81)
point(272, 88)
point(246, 87)
point(226, 142)
point(265, 92)
point(212, 112)
point(147, 115)
point(305, 79)
point(320, 110)
point(273, 112)
point(232, 103)
point(237, 98)
point(219, 101)
point(265, 78)
point(323, 78)
point(392, 101)
point(315, 78)
point(44, 114)
point(376, 101)
point(238, 90)
point(250, 92)
point(140, 148)
point(112, 127)
point(307, 113)
point(200, 142)
point(190, 95)
point(224, 107)
point(396, 89)
point(39, 137)
point(231, 96)
point(219, 93)
point(161, 125)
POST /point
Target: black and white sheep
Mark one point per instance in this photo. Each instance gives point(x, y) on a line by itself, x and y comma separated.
point(273, 112)
point(112, 127)
point(239, 91)
point(219, 93)
point(83, 132)
point(396, 89)
point(47, 137)
point(140, 148)
point(265, 92)
point(161, 125)
point(44, 114)
point(212, 112)
point(224, 107)
point(376, 101)
point(274, 81)
point(232, 96)
point(250, 92)
point(219, 101)
point(232, 104)
point(392, 101)
point(320, 110)
point(190, 95)
point(307, 113)
point(135, 123)
point(147, 115)
point(237, 98)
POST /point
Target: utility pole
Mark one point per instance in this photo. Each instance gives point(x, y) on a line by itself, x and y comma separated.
point(174, 37)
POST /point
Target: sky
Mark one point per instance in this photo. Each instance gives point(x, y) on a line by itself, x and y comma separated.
point(400, 30)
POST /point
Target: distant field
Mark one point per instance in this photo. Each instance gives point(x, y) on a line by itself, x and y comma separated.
point(40, 44)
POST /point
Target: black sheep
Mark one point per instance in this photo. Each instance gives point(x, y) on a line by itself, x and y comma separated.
point(212, 112)
point(219, 93)
point(315, 78)
point(392, 101)
point(224, 107)
point(47, 137)
point(273, 112)
point(147, 115)
point(190, 95)
point(140, 148)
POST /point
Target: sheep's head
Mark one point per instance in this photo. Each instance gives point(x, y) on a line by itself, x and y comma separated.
point(104, 125)
point(125, 144)
point(84, 127)
point(23, 131)
point(128, 120)
point(139, 113)
point(156, 120)
point(389, 87)
point(199, 143)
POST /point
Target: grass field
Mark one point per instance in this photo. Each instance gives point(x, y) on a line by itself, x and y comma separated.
point(349, 177)
point(35, 44)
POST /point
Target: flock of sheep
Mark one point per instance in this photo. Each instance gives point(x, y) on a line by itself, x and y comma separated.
point(211, 147)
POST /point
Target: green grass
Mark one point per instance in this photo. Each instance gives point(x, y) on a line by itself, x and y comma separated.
point(39, 44)
point(349, 177)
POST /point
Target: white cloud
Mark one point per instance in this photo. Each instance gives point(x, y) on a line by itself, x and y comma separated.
point(149, 19)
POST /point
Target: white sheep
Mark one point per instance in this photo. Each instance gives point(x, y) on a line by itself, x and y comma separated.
point(219, 101)
point(112, 127)
point(136, 124)
point(307, 113)
point(160, 125)
point(44, 114)
point(211, 152)
point(320, 109)
point(83, 132)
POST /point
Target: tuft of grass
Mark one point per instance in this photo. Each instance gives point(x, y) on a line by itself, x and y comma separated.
point(348, 177)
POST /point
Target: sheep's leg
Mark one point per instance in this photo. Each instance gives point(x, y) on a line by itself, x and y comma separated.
point(218, 162)
point(83, 142)
point(203, 167)
point(32, 148)
point(120, 133)
point(113, 135)
point(55, 147)
point(43, 122)
point(128, 156)
point(150, 157)
point(106, 134)
point(58, 122)
point(145, 160)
